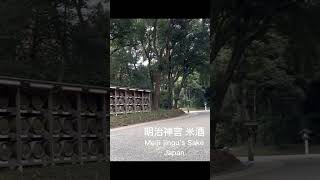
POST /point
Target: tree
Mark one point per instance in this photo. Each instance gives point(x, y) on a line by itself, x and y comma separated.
point(281, 69)
point(235, 24)
point(55, 40)
point(169, 49)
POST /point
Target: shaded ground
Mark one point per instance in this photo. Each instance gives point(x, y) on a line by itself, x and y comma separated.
point(223, 161)
point(289, 149)
point(134, 118)
point(284, 167)
point(91, 171)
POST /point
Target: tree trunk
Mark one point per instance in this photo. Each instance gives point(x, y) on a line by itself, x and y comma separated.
point(178, 90)
point(170, 97)
point(175, 103)
point(156, 91)
point(35, 33)
point(169, 66)
point(170, 86)
point(221, 87)
point(61, 36)
point(79, 13)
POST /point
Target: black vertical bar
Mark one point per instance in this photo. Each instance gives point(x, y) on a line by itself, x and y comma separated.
point(18, 128)
point(78, 115)
point(50, 119)
point(105, 127)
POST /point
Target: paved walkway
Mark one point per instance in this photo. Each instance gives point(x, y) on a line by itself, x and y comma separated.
point(282, 167)
point(131, 143)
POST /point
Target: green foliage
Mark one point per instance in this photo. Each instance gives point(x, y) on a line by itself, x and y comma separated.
point(197, 90)
point(54, 40)
point(280, 97)
point(172, 48)
point(134, 118)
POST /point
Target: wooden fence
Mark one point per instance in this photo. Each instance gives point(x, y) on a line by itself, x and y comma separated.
point(46, 123)
point(129, 100)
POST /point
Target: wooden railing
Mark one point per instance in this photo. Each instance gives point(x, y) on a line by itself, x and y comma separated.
point(46, 123)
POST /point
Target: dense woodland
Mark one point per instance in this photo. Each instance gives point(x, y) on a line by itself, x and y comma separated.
point(60, 40)
point(168, 56)
point(265, 67)
point(263, 56)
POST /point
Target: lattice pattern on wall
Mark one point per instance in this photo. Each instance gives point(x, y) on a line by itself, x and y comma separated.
point(45, 123)
point(129, 100)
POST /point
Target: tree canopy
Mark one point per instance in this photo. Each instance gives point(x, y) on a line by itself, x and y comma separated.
point(160, 54)
point(264, 68)
point(55, 40)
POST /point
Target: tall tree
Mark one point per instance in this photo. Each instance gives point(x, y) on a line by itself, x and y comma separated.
point(53, 42)
point(235, 24)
